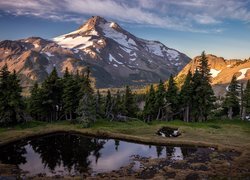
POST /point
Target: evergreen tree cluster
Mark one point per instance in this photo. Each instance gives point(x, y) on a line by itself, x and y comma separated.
point(69, 97)
point(72, 98)
point(193, 102)
point(120, 106)
point(11, 102)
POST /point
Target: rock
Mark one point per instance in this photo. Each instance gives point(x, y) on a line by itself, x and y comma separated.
point(168, 132)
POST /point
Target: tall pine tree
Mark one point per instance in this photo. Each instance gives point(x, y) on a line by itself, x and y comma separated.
point(246, 101)
point(109, 106)
point(98, 104)
point(35, 102)
point(11, 102)
point(172, 97)
point(130, 107)
point(51, 91)
point(69, 100)
point(231, 102)
point(87, 108)
point(149, 108)
point(204, 91)
point(160, 100)
point(186, 97)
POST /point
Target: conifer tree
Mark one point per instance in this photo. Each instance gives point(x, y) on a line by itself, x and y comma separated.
point(172, 96)
point(35, 102)
point(186, 96)
point(246, 101)
point(130, 107)
point(69, 100)
point(86, 110)
point(203, 89)
point(87, 107)
point(160, 100)
point(149, 108)
point(118, 104)
point(51, 93)
point(196, 95)
point(109, 106)
point(98, 104)
point(11, 102)
point(231, 102)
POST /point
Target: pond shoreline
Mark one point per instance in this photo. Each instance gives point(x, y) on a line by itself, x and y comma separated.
point(118, 136)
point(242, 161)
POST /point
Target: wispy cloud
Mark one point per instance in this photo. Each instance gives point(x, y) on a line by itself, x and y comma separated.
point(192, 15)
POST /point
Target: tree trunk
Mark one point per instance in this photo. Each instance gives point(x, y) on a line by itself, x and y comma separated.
point(70, 115)
point(243, 116)
point(230, 113)
point(187, 113)
point(241, 99)
point(158, 115)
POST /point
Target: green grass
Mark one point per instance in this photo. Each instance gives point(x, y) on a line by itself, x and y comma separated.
point(30, 124)
point(224, 132)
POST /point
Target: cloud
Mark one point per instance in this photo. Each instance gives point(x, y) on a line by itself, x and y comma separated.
point(192, 15)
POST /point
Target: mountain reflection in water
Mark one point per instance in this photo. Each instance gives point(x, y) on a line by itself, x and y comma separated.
point(71, 154)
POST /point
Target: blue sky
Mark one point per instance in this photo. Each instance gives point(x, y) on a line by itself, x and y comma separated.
point(220, 27)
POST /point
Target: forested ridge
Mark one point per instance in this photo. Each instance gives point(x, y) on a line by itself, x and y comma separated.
point(72, 98)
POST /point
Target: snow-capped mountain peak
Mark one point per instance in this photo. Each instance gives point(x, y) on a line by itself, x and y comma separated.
point(115, 56)
point(92, 35)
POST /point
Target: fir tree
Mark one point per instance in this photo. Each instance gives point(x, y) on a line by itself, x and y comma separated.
point(86, 110)
point(186, 96)
point(51, 93)
point(246, 100)
point(69, 100)
point(172, 96)
point(11, 102)
point(160, 100)
point(35, 102)
point(118, 104)
point(203, 90)
point(98, 104)
point(109, 106)
point(231, 102)
point(87, 107)
point(130, 107)
point(149, 108)
point(196, 95)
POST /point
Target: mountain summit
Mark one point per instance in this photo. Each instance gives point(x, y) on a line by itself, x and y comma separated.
point(115, 56)
point(124, 56)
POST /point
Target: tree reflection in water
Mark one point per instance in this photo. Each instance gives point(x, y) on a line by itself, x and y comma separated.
point(70, 151)
point(74, 154)
point(17, 152)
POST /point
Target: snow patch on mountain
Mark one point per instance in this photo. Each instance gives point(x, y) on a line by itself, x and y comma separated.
point(154, 48)
point(214, 72)
point(120, 38)
point(243, 73)
point(72, 42)
point(111, 58)
point(126, 49)
point(173, 54)
point(48, 54)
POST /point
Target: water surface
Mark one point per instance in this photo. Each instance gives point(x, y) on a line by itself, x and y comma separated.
point(74, 154)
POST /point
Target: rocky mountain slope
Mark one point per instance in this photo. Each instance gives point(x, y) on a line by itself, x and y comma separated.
point(114, 56)
point(221, 70)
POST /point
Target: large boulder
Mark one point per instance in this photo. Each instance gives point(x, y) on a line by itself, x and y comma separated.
point(168, 132)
